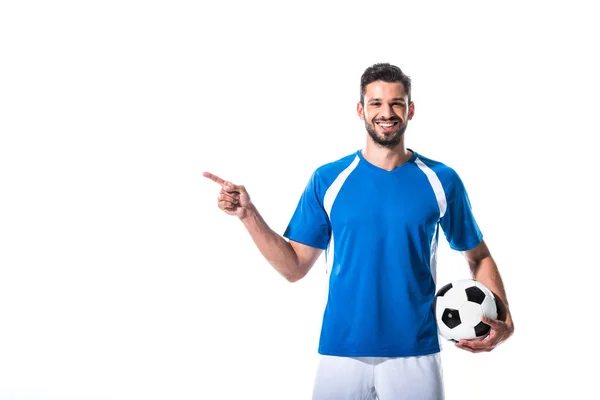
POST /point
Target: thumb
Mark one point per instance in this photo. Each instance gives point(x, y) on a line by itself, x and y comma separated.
point(230, 187)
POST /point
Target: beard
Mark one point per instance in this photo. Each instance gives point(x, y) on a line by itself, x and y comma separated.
point(389, 139)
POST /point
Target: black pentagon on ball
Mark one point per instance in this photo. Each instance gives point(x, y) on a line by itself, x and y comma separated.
point(434, 304)
point(482, 329)
point(444, 289)
point(475, 294)
point(451, 318)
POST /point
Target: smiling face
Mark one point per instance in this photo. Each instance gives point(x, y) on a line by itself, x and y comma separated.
point(386, 111)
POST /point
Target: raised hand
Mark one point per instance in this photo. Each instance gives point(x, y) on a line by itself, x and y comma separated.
point(233, 199)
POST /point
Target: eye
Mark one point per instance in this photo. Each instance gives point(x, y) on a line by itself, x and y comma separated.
point(375, 104)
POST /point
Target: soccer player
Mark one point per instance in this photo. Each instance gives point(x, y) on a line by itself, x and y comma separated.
point(378, 213)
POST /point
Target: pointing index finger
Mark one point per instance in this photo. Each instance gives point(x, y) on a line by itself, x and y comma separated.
point(214, 178)
point(226, 185)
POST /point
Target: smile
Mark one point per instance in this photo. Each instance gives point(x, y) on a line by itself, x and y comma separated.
point(387, 125)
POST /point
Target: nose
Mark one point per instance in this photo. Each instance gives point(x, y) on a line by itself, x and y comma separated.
point(387, 111)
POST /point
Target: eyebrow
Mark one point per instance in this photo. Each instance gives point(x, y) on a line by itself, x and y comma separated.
point(400, 99)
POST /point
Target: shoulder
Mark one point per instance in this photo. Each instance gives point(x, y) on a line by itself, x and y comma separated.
point(330, 170)
point(448, 177)
point(445, 173)
point(324, 175)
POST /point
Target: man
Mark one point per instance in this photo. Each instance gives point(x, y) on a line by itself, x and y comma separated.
point(377, 213)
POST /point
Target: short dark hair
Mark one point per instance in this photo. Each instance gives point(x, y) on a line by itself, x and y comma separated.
point(384, 72)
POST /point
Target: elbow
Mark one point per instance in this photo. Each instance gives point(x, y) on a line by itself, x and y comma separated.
point(294, 277)
point(295, 274)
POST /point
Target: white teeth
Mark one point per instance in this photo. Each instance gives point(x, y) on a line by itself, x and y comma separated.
point(386, 125)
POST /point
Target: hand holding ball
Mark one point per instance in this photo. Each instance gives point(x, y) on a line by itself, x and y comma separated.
point(459, 307)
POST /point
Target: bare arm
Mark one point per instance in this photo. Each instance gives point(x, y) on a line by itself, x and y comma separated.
point(484, 270)
point(291, 259)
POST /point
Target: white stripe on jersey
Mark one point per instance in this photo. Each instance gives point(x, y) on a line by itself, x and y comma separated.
point(440, 196)
point(328, 201)
point(335, 187)
point(436, 185)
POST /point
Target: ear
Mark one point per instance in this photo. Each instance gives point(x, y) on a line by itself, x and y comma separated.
point(411, 110)
point(360, 111)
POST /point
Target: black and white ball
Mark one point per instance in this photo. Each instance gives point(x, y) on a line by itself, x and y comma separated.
point(459, 307)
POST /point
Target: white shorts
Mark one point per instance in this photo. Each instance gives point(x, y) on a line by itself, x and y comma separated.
point(371, 378)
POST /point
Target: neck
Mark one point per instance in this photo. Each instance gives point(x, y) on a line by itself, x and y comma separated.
point(386, 158)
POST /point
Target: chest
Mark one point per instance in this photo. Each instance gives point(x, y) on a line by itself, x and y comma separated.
point(391, 203)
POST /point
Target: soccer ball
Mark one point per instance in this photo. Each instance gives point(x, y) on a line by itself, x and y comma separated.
point(459, 306)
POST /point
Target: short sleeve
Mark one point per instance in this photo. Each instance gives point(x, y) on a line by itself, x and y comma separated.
point(458, 223)
point(309, 224)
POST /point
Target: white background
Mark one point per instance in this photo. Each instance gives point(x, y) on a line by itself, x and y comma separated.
point(120, 278)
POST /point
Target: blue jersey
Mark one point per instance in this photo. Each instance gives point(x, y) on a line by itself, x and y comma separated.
point(380, 231)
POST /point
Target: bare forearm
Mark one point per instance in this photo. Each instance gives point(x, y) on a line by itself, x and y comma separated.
point(278, 252)
point(486, 272)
